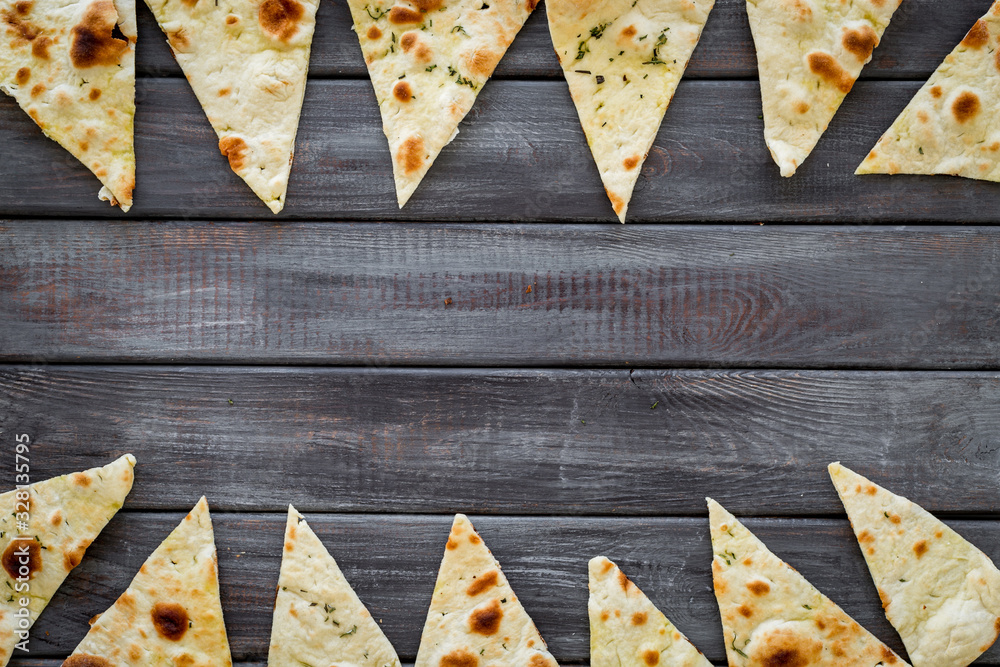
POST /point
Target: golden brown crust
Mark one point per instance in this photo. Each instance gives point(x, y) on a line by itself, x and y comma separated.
point(280, 19)
point(978, 36)
point(92, 42)
point(828, 68)
point(234, 148)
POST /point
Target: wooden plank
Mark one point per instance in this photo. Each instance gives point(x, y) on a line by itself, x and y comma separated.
point(522, 156)
point(909, 49)
point(519, 441)
point(392, 563)
point(520, 295)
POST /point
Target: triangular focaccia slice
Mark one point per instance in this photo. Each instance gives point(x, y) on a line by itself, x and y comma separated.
point(475, 619)
point(627, 630)
point(940, 592)
point(171, 613)
point(246, 61)
point(318, 618)
point(772, 616)
point(428, 60)
point(623, 60)
point(949, 126)
point(64, 515)
point(71, 66)
point(809, 54)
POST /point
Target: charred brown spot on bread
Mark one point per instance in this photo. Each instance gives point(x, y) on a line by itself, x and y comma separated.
point(401, 15)
point(627, 33)
point(170, 620)
point(758, 587)
point(93, 619)
point(830, 70)
point(427, 5)
point(375, 33)
point(996, 59)
point(22, 558)
point(224, 91)
point(618, 204)
point(23, 76)
point(22, 29)
point(235, 149)
point(605, 615)
point(95, 94)
point(232, 19)
point(474, 539)
point(486, 620)
point(639, 618)
point(888, 656)
point(459, 658)
point(178, 40)
point(73, 557)
point(538, 660)
point(483, 583)
point(978, 36)
point(936, 92)
point(481, 62)
point(860, 42)
point(623, 581)
point(883, 597)
point(865, 537)
point(280, 18)
point(785, 657)
point(402, 91)
point(94, 44)
point(631, 162)
point(966, 106)
point(529, 5)
point(871, 490)
point(745, 611)
point(651, 657)
point(411, 156)
point(84, 660)
point(801, 107)
point(40, 47)
point(920, 548)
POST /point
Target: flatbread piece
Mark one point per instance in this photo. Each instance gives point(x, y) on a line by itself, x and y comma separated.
point(64, 515)
point(623, 60)
point(627, 630)
point(809, 54)
point(246, 61)
point(171, 613)
point(474, 618)
point(949, 127)
point(940, 592)
point(318, 618)
point(428, 60)
point(70, 64)
point(772, 616)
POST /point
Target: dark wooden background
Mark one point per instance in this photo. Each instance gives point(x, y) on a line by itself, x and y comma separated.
point(577, 387)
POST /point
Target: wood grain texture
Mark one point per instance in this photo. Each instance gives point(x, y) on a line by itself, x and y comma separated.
point(520, 156)
point(522, 442)
point(520, 295)
point(921, 34)
point(392, 563)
